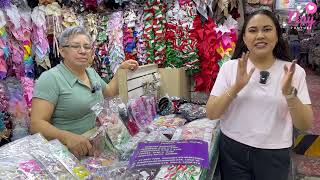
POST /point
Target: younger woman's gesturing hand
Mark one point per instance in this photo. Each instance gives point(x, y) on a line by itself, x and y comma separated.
point(287, 78)
point(243, 76)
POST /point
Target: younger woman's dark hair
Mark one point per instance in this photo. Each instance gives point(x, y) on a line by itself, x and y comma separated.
point(280, 51)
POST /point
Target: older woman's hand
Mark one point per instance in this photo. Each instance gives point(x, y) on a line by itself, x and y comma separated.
point(78, 145)
point(130, 64)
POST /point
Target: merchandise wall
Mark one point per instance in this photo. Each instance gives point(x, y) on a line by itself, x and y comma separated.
point(197, 36)
point(189, 38)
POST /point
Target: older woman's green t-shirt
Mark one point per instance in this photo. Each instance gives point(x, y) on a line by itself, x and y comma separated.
point(71, 98)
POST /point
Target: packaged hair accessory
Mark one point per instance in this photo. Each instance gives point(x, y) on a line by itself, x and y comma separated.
point(150, 104)
point(108, 116)
point(166, 106)
point(137, 110)
point(117, 170)
point(23, 166)
point(17, 108)
point(101, 143)
point(167, 124)
point(98, 166)
point(141, 173)
point(71, 163)
point(127, 149)
point(192, 111)
point(51, 164)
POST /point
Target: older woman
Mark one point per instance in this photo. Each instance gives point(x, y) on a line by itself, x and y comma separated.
point(64, 94)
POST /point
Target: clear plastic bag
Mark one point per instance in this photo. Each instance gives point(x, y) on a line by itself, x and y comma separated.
point(9, 169)
point(117, 171)
point(51, 164)
point(203, 129)
point(127, 149)
point(98, 166)
point(167, 124)
point(33, 157)
point(139, 113)
point(141, 174)
point(22, 165)
point(108, 115)
point(101, 143)
point(22, 145)
point(179, 172)
point(192, 111)
point(71, 163)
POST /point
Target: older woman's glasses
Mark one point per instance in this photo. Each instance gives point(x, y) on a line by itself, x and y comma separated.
point(77, 47)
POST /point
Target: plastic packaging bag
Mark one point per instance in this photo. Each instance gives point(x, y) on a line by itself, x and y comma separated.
point(127, 120)
point(22, 165)
point(100, 142)
point(166, 124)
point(71, 163)
point(179, 172)
point(51, 164)
point(141, 173)
point(108, 115)
point(192, 111)
point(139, 113)
point(98, 166)
point(127, 149)
point(117, 170)
point(23, 145)
point(203, 129)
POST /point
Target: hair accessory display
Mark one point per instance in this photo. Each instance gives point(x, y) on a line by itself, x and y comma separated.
point(17, 108)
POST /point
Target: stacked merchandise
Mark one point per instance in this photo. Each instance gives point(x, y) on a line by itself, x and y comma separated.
point(170, 33)
point(201, 130)
point(33, 157)
point(151, 129)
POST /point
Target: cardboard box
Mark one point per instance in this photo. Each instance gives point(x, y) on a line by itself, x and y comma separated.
point(174, 82)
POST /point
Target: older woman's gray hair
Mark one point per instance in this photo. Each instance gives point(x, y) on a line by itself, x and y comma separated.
point(72, 31)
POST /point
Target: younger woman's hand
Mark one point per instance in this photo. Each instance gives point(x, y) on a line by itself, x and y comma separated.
point(287, 78)
point(243, 76)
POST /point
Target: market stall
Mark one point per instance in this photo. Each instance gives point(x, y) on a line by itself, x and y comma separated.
point(180, 45)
